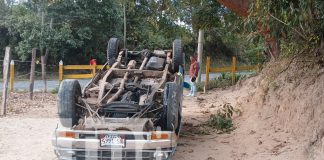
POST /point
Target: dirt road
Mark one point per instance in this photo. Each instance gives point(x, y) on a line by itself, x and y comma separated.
point(26, 132)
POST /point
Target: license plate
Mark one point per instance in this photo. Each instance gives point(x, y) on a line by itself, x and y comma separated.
point(112, 141)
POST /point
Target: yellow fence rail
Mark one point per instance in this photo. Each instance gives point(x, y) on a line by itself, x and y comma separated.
point(93, 69)
point(234, 68)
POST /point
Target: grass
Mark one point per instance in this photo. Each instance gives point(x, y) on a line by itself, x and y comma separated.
point(55, 90)
point(223, 81)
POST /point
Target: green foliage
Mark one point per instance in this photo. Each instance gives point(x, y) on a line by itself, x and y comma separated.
point(152, 24)
point(298, 24)
point(222, 120)
point(206, 15)
point(92, 23)
point(76, 31)
point(254, 54)
point(25, 24)
point(55, 90)
point(228, 38)
point(69, 29)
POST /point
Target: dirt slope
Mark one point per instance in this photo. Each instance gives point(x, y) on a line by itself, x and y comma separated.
point(282, 116)
point(291, 95)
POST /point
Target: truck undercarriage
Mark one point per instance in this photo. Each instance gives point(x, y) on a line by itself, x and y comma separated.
point(130, 109)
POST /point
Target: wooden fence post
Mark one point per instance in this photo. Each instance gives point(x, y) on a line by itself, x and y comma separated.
point(233, 70)
point(207, 74)
point(12, 75)
point(6, 66)
point(61, 71)
point(258, 67)
point(94, 70)
point(32, 74)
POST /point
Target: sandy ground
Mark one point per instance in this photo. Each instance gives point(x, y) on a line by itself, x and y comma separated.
point(25, 133)
point(249, 141)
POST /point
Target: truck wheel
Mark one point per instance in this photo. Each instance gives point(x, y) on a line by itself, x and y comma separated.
point(69, 92)
point(112, 50)
point(171, 106)
point(178, 129)
point(177, 57)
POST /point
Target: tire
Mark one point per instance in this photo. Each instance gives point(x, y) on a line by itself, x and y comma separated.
point(69, 92)
point(178, 129)
point(171, 107)
point(177, 57)
point(112, 50)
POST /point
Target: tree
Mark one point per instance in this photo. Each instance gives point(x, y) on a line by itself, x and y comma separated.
point(206, 15)
point(152, 25)
point(73, 30)
point(292, 22)
point(27, 26)
point(92, 22)
point(78, 30)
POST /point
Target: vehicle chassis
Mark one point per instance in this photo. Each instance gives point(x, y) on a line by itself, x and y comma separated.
point(140, 106)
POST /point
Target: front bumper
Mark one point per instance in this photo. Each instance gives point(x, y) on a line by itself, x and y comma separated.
point(138, 145)
point(81, 154)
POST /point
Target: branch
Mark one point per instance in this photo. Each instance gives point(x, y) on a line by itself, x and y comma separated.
point(300, 34)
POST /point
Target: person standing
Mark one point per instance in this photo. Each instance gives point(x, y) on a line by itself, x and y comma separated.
point(93, 62)
point(193, 73)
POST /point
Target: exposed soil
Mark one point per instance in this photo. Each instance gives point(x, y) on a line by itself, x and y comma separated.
point(26, 132)
point(255, 137)
point(281, 118)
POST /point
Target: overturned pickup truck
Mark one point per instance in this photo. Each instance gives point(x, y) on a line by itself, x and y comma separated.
point(130, 110)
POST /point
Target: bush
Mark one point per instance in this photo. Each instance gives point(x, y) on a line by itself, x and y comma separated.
point(222, 120)
point(55, 90)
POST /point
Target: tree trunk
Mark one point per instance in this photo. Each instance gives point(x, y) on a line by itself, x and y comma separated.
point(200, 51)
point(6, 67)
point(274, 48)
point(32, 75)
point(125, 27)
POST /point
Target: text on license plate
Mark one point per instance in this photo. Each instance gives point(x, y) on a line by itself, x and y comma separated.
point(112, 141)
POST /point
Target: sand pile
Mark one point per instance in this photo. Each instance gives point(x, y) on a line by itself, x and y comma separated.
point(288, 97)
